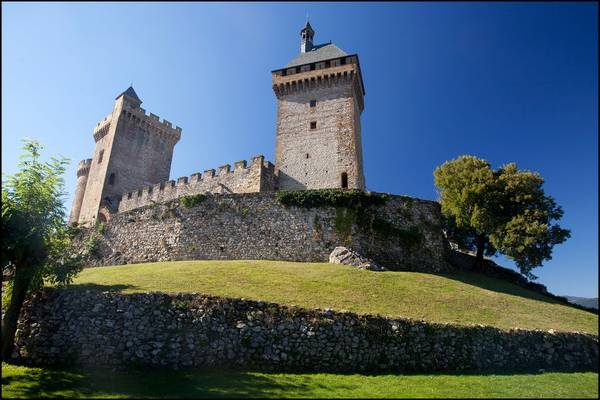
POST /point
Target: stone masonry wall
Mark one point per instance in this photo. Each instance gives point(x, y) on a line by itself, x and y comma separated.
point(76, 327)
point(257, 226)
point(259, 176)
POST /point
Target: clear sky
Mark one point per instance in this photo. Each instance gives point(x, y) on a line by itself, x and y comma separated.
point(505, 82)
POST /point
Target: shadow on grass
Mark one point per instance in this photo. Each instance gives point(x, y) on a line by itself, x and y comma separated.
point(54, 382)
point(190, 383)
point(497, 285)
point(99, 288)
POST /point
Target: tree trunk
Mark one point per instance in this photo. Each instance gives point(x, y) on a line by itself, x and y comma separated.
point(479, 262)
point(21, 281)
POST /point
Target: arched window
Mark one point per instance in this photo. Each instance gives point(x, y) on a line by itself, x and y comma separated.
point(111, 179)
point(344, 180)
point(100, 156)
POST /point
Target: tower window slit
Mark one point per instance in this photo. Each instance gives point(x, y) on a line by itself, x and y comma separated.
point(344, 180)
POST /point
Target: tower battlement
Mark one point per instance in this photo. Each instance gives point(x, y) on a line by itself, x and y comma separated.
point(151, 122)
point(102, 127)
point(83, 168)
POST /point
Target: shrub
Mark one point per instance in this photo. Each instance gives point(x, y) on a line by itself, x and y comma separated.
point(101, 228)
point(92, 246)
point(192, 200)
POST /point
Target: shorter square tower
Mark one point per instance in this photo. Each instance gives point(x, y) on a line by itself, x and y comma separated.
point(132, 150)
point(320, 97)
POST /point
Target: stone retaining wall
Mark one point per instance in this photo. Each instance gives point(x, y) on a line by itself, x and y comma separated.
point(257, 226)
point(152, 329)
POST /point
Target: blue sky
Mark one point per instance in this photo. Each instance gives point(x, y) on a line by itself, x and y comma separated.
point(505, 82)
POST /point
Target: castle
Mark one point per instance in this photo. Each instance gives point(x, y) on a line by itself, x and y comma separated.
point(320, 97)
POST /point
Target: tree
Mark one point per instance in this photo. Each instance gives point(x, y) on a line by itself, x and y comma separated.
point(36, 244)
point(503, 210)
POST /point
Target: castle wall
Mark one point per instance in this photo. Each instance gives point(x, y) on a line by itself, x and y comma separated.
point(94, 328)
point(308, 158)
point(258, 226)
point(257, 177)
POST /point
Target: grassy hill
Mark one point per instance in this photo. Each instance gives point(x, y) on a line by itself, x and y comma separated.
point(463, 298)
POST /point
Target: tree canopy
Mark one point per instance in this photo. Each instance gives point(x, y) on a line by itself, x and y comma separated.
point(36, 242)
point(504, 210)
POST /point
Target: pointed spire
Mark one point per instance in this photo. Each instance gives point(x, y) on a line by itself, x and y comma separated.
point(307, 33)
point(307, 26)
point(131, 94)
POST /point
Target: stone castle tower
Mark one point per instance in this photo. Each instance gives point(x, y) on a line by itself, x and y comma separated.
point(319, 102)
point(132, 150)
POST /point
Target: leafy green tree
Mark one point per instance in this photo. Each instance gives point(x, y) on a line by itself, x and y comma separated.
point(36, 244)
point(503, 210)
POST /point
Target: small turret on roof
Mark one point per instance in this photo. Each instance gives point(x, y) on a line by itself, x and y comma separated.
point(307, 33)
point(310, 53)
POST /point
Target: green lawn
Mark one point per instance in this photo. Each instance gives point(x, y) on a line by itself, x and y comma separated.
point(38, 382)
point(464, 298)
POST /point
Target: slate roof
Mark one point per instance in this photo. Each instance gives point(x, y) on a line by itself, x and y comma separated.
point(318, 53)
point(131, 93)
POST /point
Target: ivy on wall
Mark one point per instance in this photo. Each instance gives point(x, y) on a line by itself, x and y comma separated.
point(354, 208)
point(331, 198)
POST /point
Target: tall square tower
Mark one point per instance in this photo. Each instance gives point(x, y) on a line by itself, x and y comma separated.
point(320, 97)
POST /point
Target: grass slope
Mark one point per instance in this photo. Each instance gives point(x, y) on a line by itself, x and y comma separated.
point(464, 298)
point(37, 382)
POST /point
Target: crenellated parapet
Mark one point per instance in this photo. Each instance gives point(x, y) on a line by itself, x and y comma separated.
point(322, 74)
point(83, 168)
point(258, 176)
point(150, 123)
point(102, 127)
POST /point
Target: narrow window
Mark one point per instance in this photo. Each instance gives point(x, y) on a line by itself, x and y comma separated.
point(313, 125)
point(344, 180)
point(100, 156)
point(111, 179)
point(306, 155)
point(313, 103)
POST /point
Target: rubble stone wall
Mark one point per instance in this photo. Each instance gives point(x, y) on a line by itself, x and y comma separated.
point(77, 327)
